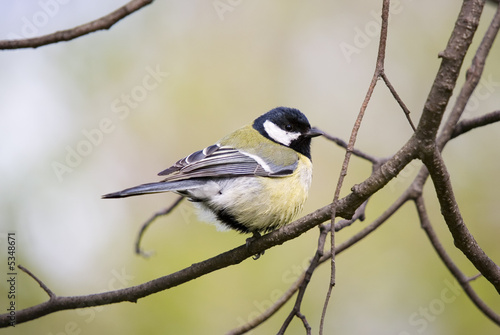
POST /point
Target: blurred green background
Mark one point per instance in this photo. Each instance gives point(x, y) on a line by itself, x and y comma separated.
point(174, 78)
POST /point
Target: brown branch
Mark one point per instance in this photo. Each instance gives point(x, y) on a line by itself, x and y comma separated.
point(472, 79)
point(462, 279)
point(379, 68)
point(303, 286)
point(359, 214)
point(431, 155)
point(463, 239)
point(473, 123)
point(41, 283)
point(102, 23)
point(446, 78)
point(398, 99)
point(340, 142)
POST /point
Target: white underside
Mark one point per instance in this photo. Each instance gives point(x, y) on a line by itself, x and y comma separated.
point(255, 202)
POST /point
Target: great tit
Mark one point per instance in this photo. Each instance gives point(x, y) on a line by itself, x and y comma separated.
point(254, 180)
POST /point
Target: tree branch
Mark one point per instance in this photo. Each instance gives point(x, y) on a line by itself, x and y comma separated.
point(379, 69)
point(469, 124)
point(449, 209)
point(398, 99)
point(430, 149)
point(455, 271)
point(41, 283)
point(446, 78)
point(303, 286)
point(473, 75)
point(102, 23)
point(340, 142)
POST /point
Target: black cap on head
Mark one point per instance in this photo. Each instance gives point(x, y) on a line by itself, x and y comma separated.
point(289, 127)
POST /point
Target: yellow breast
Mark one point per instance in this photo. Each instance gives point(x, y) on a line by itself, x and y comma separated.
point(280, 201)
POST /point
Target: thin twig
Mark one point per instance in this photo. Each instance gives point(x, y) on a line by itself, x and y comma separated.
point(407, 195)
point(104, 22)
point(398, 99)
point(146, 224)
point(480, 121)
point(340, 142)
point(352, 140)
point(303, 286)
point(358, 215)
point(476, 276)
point(41, 283)
point(304, 322)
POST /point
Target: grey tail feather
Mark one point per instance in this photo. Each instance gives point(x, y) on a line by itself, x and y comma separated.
point(155, 188)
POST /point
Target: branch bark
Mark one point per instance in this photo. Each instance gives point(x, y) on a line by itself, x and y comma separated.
point(462, 238)
point(102, 23)
point(473, 123)
point(430, 148)
point(446, 78)
point(452, 267)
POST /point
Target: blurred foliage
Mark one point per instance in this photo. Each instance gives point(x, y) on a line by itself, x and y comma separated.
point(215, 72)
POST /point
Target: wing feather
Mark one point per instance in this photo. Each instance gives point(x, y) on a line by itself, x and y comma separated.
point(223, 161)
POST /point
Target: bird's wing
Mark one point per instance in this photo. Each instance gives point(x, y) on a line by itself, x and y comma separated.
point(224, 161)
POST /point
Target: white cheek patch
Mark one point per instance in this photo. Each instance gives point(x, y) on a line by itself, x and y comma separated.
point(278, 134)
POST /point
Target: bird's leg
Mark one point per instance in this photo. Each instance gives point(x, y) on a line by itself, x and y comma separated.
point(254, 237)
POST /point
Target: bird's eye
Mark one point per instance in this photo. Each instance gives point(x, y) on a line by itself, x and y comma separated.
point(288, 127)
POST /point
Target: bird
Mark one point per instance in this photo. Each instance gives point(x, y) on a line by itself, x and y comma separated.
point(254, 180)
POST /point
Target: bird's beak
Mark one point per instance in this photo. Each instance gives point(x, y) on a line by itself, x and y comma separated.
point(313, 132)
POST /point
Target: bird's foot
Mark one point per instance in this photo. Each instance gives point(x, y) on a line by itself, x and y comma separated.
point(255, 236)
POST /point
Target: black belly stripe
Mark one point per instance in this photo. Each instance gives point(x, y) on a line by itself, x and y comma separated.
point(229, 220)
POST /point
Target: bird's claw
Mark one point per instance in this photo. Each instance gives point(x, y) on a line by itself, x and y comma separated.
point(249, 240)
